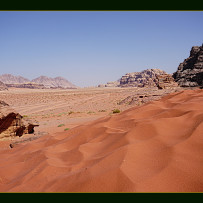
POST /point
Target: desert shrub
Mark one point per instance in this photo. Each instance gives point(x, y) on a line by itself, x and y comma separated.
point(89, 112)
point(66, 129)
point(102, 110)
point(116, 111)
point(60, 125)
point(70, 112)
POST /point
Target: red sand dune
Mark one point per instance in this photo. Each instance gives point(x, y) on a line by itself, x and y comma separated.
point(157, 147)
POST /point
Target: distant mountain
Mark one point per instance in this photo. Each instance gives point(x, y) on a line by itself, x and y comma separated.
point(39, 83)
point(11, 79)
point(58, 82)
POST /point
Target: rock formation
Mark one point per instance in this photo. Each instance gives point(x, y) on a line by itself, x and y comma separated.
point(148, 78)
point(12, 124)
point(190, 72)
point(58, 82)
point(3, 86)
point(165, 81)
point(145, 95)
point(111, 84)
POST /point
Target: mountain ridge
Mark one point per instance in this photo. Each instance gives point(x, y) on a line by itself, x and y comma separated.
point(57, 82)
point(45, 81)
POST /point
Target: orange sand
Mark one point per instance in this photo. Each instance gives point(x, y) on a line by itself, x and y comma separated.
point(157, 147)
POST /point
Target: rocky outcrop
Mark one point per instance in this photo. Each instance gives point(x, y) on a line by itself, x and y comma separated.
point(27, 85)
point(58, 82)
point(148, 78)
point(111, 84)
point(190, 71)
point(11, 79)
point(12, 124)
point(3, 86)
point(165, 81)
point(144, 95)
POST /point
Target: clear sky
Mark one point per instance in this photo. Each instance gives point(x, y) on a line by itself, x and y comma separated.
point(93, 47)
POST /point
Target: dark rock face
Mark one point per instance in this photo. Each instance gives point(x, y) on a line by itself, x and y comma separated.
point(27, 85)
point(11, 123)
point(3, 86)
point(190, 72)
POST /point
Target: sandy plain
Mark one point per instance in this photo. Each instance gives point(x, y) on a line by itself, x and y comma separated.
point(69, 108)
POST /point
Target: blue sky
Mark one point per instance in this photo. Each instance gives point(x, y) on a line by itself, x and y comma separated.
point(94, 47)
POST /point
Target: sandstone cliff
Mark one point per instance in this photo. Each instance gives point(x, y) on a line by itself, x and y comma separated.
point(190, 71)
point(165, 81)
point(148, 78)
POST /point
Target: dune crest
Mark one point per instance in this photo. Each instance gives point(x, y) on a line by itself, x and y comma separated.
point(156, 147)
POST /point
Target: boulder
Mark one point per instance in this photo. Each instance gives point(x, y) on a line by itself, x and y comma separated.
point(12, 124)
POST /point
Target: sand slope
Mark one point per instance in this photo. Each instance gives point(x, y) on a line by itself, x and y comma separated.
point(157, 147)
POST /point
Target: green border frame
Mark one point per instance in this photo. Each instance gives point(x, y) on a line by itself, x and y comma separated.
point(141, 5)
point(101, 6)
point(95, 197)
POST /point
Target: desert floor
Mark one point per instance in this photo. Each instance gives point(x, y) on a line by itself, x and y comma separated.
point(152, 147)
point(56, 110)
